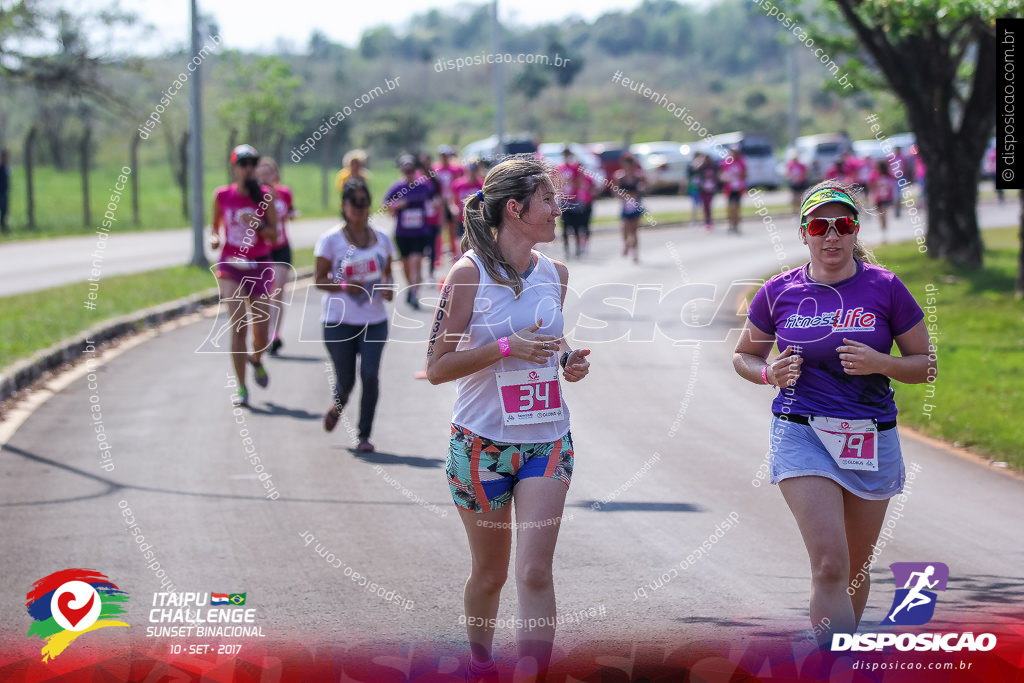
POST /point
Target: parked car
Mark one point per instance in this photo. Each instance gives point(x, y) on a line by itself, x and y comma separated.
point(817, 152)
point(757, 151)
point(664, 163)
point(610, 154)
point(871, 149)
point(552, 152)
point(487, 149)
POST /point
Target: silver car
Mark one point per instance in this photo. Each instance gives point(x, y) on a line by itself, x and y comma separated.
point(664, 163)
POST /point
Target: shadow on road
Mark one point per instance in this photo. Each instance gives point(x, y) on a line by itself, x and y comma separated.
point(727, 623)
point(299, 359)
point(276, 410)
point(381, 458)
point(985, 590)
point(111, 487)
point(627, 506)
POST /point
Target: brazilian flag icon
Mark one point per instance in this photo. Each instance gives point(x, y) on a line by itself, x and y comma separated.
point(237, 598)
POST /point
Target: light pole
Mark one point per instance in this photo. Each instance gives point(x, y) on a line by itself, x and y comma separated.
point(195, 140)
point(499, 85)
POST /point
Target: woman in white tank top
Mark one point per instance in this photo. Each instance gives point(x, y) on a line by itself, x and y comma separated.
point(497, 332)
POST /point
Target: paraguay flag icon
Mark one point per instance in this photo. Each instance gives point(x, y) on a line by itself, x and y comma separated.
point(914, 603)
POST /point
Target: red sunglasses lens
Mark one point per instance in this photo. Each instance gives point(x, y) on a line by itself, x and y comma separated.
point(819, 226)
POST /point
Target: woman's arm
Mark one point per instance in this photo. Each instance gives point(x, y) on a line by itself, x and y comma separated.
point(915, 365)
point(751, 355)
point(218, 218)
point(386, 282)
point(323, 280)
point(451, 319)
point(577, 367)
point(269, 229)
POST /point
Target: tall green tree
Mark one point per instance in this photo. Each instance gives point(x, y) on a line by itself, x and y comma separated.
point(18, 20)
point(939, 58)
point(262, 104)
point(395, 130)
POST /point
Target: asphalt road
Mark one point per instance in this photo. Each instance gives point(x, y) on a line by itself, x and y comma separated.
point(666, 435)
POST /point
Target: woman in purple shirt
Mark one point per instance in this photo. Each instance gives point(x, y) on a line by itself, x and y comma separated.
point(407, 201)
point(835, 449)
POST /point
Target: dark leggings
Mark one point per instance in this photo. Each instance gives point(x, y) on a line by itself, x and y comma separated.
point(343, 343)
point(705, 200)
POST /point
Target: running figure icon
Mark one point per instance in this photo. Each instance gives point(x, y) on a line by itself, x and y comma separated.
point(914, 602)
point(915, 598)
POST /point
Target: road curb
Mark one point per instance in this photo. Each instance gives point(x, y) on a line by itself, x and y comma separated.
point(22, 374)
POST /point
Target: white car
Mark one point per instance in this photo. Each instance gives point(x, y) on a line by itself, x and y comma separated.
point(552, 152)
point(665, 164)
point(818, 152)
point(870, 149)
point(757, 152)
point(487, 150)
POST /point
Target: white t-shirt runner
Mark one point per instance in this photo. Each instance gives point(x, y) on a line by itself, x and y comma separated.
point(350, 264)
point(513, 401)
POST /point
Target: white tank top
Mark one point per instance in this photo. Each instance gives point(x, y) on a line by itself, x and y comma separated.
point(497, 313)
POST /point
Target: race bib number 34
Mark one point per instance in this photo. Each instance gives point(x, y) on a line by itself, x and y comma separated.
point(530, 396)
point(853, 444)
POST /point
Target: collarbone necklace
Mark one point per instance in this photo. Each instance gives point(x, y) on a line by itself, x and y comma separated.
point(352, 238)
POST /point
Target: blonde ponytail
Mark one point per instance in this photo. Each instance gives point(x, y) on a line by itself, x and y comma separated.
point(514, 178)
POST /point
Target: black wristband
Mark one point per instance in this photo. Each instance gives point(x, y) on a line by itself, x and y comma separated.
point(564, 359)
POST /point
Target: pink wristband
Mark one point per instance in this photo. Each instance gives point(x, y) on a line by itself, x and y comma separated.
point(504, 347)
point(764, 375)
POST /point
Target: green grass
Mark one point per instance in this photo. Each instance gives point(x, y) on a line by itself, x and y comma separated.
point(37, 320)
point(978, 398)
point(59, 210)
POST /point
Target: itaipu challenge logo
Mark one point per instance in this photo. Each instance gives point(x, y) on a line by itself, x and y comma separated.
point(69, 603)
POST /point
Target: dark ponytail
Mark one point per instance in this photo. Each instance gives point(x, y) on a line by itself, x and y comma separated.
point(255, 190)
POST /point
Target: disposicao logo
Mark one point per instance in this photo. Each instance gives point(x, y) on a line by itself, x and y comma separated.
point(68, 603)
point(914, 605)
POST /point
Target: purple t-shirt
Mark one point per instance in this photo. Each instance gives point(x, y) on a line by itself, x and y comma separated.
point(872, 307)
point(411, 221)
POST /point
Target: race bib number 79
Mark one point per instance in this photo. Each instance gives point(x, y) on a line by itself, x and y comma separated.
point(530, 396)
point(853, 444)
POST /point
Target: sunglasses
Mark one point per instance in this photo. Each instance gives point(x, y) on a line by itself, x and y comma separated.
point(359, 202)
point(844, 225)
point(247, 162)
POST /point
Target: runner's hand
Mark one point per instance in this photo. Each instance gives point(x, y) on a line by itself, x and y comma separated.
point(784, 371)
point(536, 348)
point(214, 241)
point(356, 289)
point(858, 358)
point(577, 367)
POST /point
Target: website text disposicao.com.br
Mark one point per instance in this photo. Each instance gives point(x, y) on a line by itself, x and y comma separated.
point(460, 63)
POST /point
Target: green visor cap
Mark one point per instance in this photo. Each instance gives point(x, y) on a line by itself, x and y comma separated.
point(826, 196)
